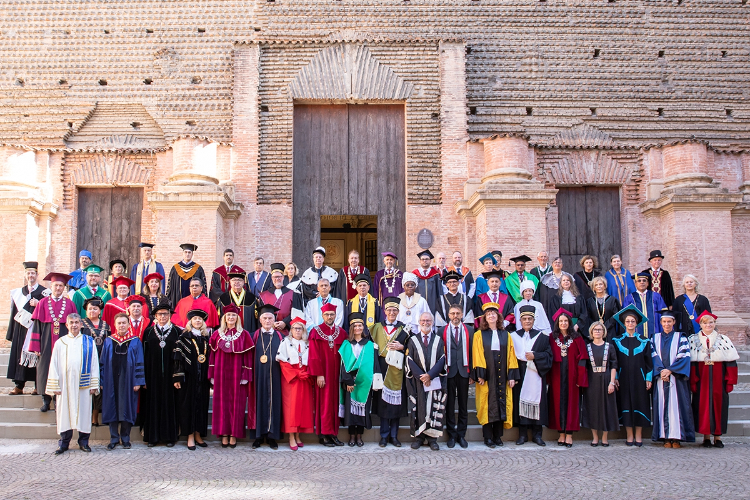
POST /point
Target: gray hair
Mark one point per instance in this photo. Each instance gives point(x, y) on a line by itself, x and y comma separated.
point(691, 276)
point(73, 316)
point(428, 313)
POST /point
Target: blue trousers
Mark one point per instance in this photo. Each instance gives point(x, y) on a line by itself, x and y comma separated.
point(123, 435)
point(388, 427)
point(66, 436)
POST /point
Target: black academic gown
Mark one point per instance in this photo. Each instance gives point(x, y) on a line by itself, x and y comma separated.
point(635, 365)
point(603, 313)
point(667, 288)
point(158, 403)
point(194, 395)
point(582, 282)
point(16, 335)
point(248, 306)
point(431, 289)
point(680, 307)
point(267, 385)
point(178, 288)
point(543, 361)
point(578, 309)
point(447, 300)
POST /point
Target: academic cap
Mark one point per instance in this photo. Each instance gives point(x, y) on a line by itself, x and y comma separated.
point(31, 265)
point(706, 314)
point(153, 276)
point(654, 254)
point(236, 275)
point(527, 311)
point(84, 253)
point(631, 310)
point(360, 278)
point(521, 258)
point(197, 312)
point(492, 274)
point(122, 280)
point(389, 254)
point(189, 246)
point(93, 268)
point(497, 252)
point(135, 298)
point(94, 301)
point(451, 275)
point(329, 307)
point(267, 308)
point(62, 277)
point(145, 245)
point(117, 261)
point(488, 256)
point(425, 253)
point(277, 267)
point(320, 250)
point(391, 302)
point(490, 306)
point(356, 317)
point(560, 312)
point(162, 306)
point(643, 275)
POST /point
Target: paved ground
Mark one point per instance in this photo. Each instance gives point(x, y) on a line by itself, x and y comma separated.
point(29, 470)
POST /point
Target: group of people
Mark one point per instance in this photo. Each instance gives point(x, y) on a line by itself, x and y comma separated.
point(288, 353)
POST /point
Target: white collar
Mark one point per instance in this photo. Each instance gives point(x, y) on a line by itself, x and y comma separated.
point(165, 327)
point(31, 289)
point(56, 299)
point(653, 270)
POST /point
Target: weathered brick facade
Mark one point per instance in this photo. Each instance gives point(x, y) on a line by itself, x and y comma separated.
point(505, 101)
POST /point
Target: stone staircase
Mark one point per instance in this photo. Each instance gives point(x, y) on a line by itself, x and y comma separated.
point(20, 417)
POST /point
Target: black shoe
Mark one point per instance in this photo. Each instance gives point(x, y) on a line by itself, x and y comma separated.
point(111, 446)
point(360, 443)
point(326, 441)
point(718, 443)
point(336, 441)
point(416, 444)
point(191, 448)
point(605, 445)
point(498, 442)
point(521, 440)
point(707, 443)
point(490, 443)
point(628, 443)
point(434, 446)
point(638, 444)
point(462, 442)
point(45, 407)
point(151, 445)
point(169, 445)
point(202, 445)
point(383, 442)
point(451, 443)
point(395, 442)
point(127, 446)
point(568, 445)
point(84, 447)
point(352, 440)
point(273, 444)
point(257, 443)
point(538, 440)
point(561, 443)
point(60, 451)
point(594, 445)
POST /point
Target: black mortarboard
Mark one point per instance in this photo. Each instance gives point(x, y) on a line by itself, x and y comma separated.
point(427, 253)
point(197, 312)
point(189, 246)
point(521, 258)
point(145, 245)
point(31, 265)
point(117, 261)
point(493, 274)
point(267, 308)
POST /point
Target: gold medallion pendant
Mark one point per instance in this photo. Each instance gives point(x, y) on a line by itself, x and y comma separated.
point(201, 358)
point(264, 359)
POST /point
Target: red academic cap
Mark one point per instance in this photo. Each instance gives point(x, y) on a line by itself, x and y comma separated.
point(153, 276)
point(231, 308)
point(298, 320)
point(706, 313)
point(122, 280)
point(328, 308)
point(58, 277)
point(560, 312)
point(135, 298)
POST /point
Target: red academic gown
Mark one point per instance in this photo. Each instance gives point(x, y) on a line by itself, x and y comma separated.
point(228, 366)
point(297, 398)
point(507, 307)
point(565, 381)
point(220, 281)
point(112, 308)
point(711, 385)
point(324, 359)
point(145, 322)
point(203, 303)
point(283, 303)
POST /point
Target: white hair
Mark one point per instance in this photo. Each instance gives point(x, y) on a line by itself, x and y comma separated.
point(692, 277)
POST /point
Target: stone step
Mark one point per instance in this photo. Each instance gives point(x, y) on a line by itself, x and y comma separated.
point(743, 378)
point(744, 355)
point(20, 401)
point(739, 412)
point(4, 356)
point(739, 397)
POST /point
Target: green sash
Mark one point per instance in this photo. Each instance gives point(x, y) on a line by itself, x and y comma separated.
point(364, 367)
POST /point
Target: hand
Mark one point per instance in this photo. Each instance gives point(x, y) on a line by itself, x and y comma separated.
point(480, 381)
point(349, 388)
point(321, 381)
point(665, 374)
point(425, 379)
point(57, 393)
point(529, 355)
point(243, 382)
point(575, 327)
point(212, 381)
point(648, 385)
point(137, 388)
point(33, 302)
point(279, 325)
point(471, 380)
point(511, 383)
point(37, 353)
point(395, 346)
point(617, 384)
point(92, 391)
point(611, 388)
point(176, 385)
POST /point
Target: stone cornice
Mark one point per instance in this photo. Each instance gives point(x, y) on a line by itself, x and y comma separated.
point(202, 200)
point(702, 199)
point(505, 195)
point(20, 204)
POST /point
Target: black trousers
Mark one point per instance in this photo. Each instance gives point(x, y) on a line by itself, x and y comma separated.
point(20, 383)
point(536, 430)
point(458, 387)
point(65, 437)
point(492, 430)
point(123, 435)
point(356, 429)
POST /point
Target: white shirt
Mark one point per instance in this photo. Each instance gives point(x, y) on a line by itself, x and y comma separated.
point(495, 346)
point(277, 292)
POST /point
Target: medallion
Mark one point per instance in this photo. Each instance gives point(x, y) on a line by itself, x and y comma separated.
point(264, 359)
point(98, 340)
point(408, 312)
point(201, 358)
point(228, 344)
point(162, 344)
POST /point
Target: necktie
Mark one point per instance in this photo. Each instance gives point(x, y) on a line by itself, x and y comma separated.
point(494, 298)
point(424, 272)
point(320, 273)
point(137, 323)
point(362, 305)
point(424, 340)
point(455, 334)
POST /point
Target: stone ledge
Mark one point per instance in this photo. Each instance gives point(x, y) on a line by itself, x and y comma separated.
point(498, 194)
point(686, 199)
point(20, 203)
point(195, 199)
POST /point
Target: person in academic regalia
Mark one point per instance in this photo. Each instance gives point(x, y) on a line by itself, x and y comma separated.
point(534, 356)
point(178, 285)
point(73, 380)
point(430, 285)
point(496, 370)
point(425, 382)
point(139, 321)
point(689, 306)
point(457, 338)
point(48, 326)
point(586, 275)
point(347, 287)
point(190, 377)
point(117, 270)
point(364, 303)
point(466, 282)
point(620, 282)
point(495, 295)
point(387, 281)
point(158, 408)
point(314, 310)
point(196, 300)
point(454, 297)
point(659, 279)
point(513, 280)
point(220, 276)
point(23, 302)
point(541, 322)
point(599, 404)
point(567, 377)
point(241, 298)
point(97, 329)
point(673, 415)
point(78, 277)
point(154, 282)
point(359, 366)
point(543, 268)
point(307, 289)
point(390, 335)
point(635, 367)
point(713, 375)
point(264, 413)
point(601, 307)
point(499, 266)
point(230, 370)
point(92, 289)
point(291, 278)
point(570, 298)
point(648, 302)
point(550, 284)
point(489, 263)
point(259, 280)
point(147, 266)
point(280, 297)
point(324, 366)
point(122, 376)
point(296, 384)
point(118, 303)
point(411, 305)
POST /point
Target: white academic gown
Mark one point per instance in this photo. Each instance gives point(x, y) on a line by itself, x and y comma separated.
point(314, 317)
point(415, 305)
point(74, 404)
point(541, 322)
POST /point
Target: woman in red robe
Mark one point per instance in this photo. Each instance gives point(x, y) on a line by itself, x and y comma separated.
point(296, 384)
point(567, 376)
point(230, 372)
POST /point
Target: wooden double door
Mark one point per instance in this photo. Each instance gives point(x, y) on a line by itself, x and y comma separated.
point(349, 159)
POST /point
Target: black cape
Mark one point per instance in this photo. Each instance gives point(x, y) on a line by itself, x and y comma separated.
point(194, 395)
point(178, 288)
point(158, 410)
point(667, 289)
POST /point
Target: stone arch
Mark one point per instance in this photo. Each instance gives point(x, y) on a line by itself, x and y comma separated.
point(105, 170)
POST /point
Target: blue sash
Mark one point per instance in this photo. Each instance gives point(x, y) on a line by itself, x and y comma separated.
point(88, 345)
point(690, 308)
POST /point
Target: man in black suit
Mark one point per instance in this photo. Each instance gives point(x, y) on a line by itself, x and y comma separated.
point(458, 336)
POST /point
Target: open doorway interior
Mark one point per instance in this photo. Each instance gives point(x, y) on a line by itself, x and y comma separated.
point(340, 234)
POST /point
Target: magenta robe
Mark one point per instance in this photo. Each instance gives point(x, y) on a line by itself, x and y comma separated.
point(565, 382)
point(227, 367)
point(283, 303)
point(326, 361)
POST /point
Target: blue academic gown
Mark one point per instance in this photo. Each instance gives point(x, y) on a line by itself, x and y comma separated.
point(483, 287)
point(134, 272)
point(654, 303)
point(123, 407)
point(618, 287)
point(78, 279)
point(671, 401)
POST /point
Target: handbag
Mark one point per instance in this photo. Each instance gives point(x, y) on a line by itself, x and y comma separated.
point(395, 359)
point(377, 381)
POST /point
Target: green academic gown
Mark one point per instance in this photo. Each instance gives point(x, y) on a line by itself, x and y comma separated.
point(513, 284)
point(83, 294)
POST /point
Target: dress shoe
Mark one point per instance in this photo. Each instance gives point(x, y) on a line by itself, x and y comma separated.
point(451, 443)
point(676, 444)
point(561, 443)
point(151, 445)
point(707, 443)
point(111, 446)
point(628, 443)
point(326, 441)
point(335, 440)
point(191, 448)
point(605, 445)
point(521, 440)
point(352, 440)
point(169, 445)
point(594, 445)
point(202, 444)
point(718, 443)
point(44, 408)
point(416, 444)
point(538, 441)
point(567, 445)
point(273, 444)
point(293, 447)
point(490, 443)
point(638, 444)
point(434, 446)
point(257, 443)
point(383, 442)
point(498, 442)
point(34, 393)
point(60, 451)
point(16, 391)
point(462, 442)
point(84, 447)
point(95, 424)
point(360, 443)
point(127, 446)
point(395, 442)
point(300, 444)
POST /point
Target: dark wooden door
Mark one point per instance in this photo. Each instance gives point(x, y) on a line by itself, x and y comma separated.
point(349, 160)
point(109, 224)
point(589, 223)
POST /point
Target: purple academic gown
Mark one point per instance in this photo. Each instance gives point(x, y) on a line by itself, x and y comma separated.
point(228, 366)
point(381, 285)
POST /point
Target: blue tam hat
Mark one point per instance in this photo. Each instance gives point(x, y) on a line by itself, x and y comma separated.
point(84, 253)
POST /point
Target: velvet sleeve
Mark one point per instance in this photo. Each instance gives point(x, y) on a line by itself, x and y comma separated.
point(543, 358)
point(581, 372)
point(436, 370)
point(648, 362)
point(731, 375)
point(138, 372)
point(288, 371)
point(315, 364)
point(479, 363)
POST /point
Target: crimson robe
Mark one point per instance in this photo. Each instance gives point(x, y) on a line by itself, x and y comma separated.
point(325, 360)
point(347, 289)
point(228, 366)
point(711, 385)
point(112, 308)
point(187, 304)
point(565, 380)
point(145, 322)
point(220, 281)
point(283, 303)
point(297, 398)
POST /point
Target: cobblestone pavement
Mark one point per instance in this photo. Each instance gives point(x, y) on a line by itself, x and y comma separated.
point(29, 470)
